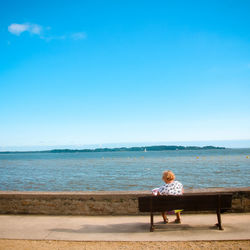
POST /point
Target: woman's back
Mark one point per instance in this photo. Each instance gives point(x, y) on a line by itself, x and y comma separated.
point(172, 188)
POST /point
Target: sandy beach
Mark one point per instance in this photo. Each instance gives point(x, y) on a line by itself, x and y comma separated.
point(49, 244)
point(72, 245)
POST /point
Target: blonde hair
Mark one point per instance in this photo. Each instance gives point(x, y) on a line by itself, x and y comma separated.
point(168, 175)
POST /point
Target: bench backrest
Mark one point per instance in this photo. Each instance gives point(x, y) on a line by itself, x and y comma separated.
point(188, 202)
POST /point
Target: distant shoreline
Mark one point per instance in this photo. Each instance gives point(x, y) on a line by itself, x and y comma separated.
point(120, 149)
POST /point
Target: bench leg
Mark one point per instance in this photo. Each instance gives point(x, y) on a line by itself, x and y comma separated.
point(152, 222)
point(219, 220)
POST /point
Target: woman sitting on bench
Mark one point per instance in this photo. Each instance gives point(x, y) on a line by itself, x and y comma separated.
point(171, 187)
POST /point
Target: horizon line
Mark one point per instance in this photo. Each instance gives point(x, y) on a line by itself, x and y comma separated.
point(131, 142)
point(112, 148)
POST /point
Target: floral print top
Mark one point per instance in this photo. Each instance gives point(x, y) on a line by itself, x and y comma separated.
point(173, 188)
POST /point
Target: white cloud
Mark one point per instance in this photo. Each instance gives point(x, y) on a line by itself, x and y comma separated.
point(43, 32)
point(17, 29)
point(35, 29)
point(78, 35)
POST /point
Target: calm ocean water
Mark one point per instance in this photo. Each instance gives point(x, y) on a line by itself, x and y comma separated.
point(123, 170)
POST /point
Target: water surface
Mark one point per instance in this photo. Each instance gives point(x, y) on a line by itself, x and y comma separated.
point(123, 170)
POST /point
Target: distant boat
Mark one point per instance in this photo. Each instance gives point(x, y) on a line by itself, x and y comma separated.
point(145, 150)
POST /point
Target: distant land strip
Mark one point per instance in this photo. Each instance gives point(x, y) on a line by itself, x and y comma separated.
point(121, 149)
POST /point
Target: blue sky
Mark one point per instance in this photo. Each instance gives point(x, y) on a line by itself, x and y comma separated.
point(96, 72)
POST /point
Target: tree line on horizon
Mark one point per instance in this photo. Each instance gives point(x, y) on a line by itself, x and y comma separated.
point(123, 149)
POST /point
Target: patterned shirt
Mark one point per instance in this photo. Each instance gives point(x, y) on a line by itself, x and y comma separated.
point(173, 188)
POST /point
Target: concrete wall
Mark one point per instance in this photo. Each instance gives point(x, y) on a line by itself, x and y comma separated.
point(95, 203)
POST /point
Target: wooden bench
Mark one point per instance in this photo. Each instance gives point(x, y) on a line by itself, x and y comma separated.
point(218, 202)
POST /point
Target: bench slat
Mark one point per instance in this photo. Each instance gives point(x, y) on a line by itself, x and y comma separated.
point(204, 202)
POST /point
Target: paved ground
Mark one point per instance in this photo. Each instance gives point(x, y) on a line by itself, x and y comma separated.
point(123, 228)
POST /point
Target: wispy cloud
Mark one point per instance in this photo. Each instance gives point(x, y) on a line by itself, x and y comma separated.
point(79, 35)
point(50, 38)
point(17, 29)
point(43, 33)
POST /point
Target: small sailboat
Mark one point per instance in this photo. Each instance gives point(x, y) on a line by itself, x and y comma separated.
point(145, 150)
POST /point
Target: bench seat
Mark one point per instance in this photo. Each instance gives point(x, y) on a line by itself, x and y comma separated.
point(218, 202)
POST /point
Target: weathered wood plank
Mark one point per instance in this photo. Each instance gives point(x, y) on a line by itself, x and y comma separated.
point(204, 202)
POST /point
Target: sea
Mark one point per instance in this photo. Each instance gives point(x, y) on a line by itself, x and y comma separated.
point(123, 171)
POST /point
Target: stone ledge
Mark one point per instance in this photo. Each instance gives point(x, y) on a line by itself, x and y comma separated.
point(96, 203)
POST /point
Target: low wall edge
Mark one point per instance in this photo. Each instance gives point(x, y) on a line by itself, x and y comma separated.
point(96, 202)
